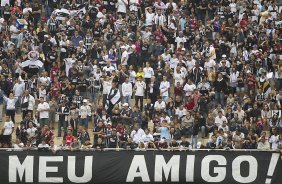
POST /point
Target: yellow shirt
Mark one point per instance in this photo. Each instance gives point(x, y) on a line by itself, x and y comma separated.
point(138, 74)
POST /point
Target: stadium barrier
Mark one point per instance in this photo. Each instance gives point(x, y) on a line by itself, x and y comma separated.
point(150, 166)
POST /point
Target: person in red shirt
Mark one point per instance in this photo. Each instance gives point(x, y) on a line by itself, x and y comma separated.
point(55, 71)
point(159, 36)
point(48, 134)
point(55, 87)
point(190, 104)
point(178, 90)
point(69, 137)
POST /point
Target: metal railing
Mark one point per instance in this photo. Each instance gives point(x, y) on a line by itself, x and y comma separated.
point(137, 149)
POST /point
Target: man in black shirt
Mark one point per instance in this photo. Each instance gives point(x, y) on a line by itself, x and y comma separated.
point(82, 85)
point(220, 87)
point(99, 131)
point(113, 139)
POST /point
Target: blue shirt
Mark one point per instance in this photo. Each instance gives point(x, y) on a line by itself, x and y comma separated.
point(76, 40)
point(164, 132)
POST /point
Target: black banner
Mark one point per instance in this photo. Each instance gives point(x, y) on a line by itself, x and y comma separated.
point(140, 166)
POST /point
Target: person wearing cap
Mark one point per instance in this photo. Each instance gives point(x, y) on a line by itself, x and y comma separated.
point(125, 113)
point(113, 141)
point(84, 113)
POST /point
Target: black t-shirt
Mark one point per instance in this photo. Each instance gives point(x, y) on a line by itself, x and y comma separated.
point(36, 15)
point(98, 129)
point(81, 85)
point(113, 141)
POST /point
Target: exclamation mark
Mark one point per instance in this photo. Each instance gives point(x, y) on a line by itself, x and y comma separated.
point(272, 165)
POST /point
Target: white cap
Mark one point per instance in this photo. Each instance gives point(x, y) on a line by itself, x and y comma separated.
point(123, 47)
point(84, 101)
point(224, 56)
point(46, 36)
point(248, 71)
point(125, 104)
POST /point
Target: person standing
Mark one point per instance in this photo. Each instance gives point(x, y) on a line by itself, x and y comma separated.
point(27, 103)
point(127, 91)
point(84, 113)
point(154, 90)
point(113, 97)
point(140, 87)
point(8, 130)
point(63, 113)
point(11, 106)
point(220, 87)
point(43, 109)
point(164, 89)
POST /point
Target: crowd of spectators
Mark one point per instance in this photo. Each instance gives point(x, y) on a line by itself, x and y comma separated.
point(141, 74)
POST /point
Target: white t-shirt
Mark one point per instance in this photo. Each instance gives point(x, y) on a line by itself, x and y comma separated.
point(14, 31)
point(178, 77)
point(211, 63)
point(26, 10)
point(124, 58)
point(121, 6)
point(189, 88)
point(149, 18)
point(274, 139)
point(148, 72)
point(8, 128)
point(68, 63)
point(166, 57)
point(218, 121)
point(164, 88)
point(31, 131)
point(159, 106)
point(18, 89)
point(140, 87)
point(178, 40)
point(43, 106)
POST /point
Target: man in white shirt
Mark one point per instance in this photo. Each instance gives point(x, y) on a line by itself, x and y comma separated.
point(159, 105)
point(121, 6)
point(148, 72)
point(108, 68)
point(43, 110)
point(147, 137)
point(137, 134)
point(166, 56)
point(164, 89)
point(124, 56)
point(189, 87)
point(107, 85)
point(180, 39)
point(140, 87)
point(84, 113)
point(126, 89)
point(240, 112)
point(149, 16)
point(18, 90)
point(219, 119)
point(14, 33)
point(274, 139)
point(210, 63)
point(27, 9)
